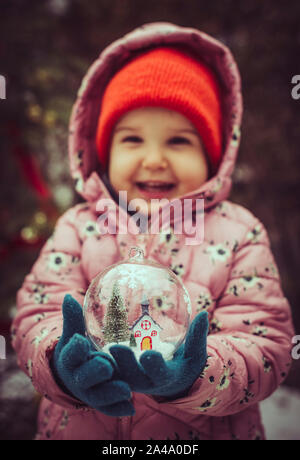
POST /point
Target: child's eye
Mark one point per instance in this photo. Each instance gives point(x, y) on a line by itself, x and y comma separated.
point(179, 140)
point(132, 139)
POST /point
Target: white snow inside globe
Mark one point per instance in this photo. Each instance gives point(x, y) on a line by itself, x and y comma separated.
point(138, 303)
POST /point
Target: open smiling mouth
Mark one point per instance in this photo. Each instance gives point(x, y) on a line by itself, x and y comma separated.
point(155, 186)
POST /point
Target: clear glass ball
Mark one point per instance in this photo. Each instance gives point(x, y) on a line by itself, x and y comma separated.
point(138, 303)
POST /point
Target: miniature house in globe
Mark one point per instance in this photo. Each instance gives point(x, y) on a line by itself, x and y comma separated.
point(137, 303)
point(146, 330)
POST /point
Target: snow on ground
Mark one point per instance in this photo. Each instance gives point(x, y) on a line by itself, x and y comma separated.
point(281, 414)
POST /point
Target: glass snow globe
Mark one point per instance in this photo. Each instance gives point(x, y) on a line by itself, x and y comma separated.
point(138, 303)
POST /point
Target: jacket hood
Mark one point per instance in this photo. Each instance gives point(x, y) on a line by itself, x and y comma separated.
point(84, 163)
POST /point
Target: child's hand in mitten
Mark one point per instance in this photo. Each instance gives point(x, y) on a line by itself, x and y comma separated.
point(155, 376)
point(85, 373)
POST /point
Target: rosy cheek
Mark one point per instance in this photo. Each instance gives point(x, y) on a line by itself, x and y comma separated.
point(120, 177)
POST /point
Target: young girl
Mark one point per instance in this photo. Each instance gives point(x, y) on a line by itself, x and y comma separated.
point(158, 116)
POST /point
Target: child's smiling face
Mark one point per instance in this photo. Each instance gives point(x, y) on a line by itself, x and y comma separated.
point(156, 153)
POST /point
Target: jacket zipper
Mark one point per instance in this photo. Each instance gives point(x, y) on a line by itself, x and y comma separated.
point(123, 428)
point(124, 423)
point(146, 247)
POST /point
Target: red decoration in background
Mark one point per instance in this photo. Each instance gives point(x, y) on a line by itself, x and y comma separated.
point(30, 170)
point(27, 163)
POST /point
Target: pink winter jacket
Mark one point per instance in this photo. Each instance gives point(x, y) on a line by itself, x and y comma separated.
point(232, 275)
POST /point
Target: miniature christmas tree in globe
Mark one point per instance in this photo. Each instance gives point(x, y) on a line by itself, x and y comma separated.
point(138, 303)
point(116, 328)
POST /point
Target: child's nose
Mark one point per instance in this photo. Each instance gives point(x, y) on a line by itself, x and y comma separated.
point(154, 159)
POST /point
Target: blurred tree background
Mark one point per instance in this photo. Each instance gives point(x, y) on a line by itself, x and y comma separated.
point(45, 49)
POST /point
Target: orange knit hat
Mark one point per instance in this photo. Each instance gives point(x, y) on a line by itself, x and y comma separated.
point(164, 77)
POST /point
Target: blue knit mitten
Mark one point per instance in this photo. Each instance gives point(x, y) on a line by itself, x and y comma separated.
point(85, 373)
point(171, 379)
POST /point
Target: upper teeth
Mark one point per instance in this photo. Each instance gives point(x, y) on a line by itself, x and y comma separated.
point(154, 184)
